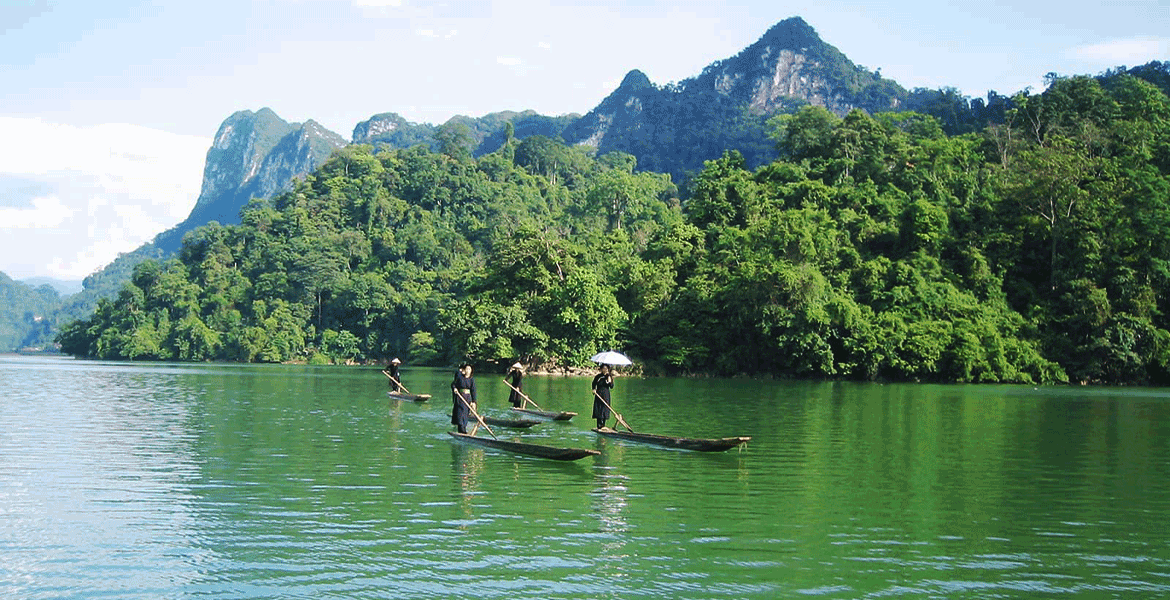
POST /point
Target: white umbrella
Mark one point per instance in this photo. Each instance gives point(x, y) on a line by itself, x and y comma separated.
point(610, 357)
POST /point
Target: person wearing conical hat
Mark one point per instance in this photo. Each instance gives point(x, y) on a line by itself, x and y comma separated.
point(516, 372)
point(391, 371)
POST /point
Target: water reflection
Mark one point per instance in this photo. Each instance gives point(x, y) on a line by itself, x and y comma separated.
point(610, 508)
point(467, 464)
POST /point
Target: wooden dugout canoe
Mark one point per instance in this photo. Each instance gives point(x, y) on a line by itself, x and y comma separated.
point(409, 397)
point(513, 423)
point(697, 444)
point(547, 414)
point(536, 450)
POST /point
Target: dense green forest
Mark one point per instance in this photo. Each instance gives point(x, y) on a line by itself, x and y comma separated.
point(27, 314)
point(877, 247)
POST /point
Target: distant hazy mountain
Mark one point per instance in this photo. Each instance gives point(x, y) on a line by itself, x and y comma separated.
point(63, 287)
point(26, 314)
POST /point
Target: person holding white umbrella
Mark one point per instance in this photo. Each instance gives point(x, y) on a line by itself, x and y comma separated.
point(602, 384)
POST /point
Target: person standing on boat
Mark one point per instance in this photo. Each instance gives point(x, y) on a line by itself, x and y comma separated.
point(602, 384)
point(462, 394)
point(517, 374)
point(392, 372)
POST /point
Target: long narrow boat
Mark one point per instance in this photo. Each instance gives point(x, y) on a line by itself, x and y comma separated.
point(409, 397)
point(698, 444)
point(547, 414)
point(526, 448)
point(513, 423)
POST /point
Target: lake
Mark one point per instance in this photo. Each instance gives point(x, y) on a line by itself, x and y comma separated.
point(141, 480)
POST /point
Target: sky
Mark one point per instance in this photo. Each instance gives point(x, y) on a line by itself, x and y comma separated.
point(107, 108)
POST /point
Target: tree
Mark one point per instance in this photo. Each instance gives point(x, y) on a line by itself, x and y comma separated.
point(1049, 182)
point(455, 140)
point(723, 193)
point(805, 134)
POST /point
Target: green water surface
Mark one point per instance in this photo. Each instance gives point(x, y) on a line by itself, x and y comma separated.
point(130, 480)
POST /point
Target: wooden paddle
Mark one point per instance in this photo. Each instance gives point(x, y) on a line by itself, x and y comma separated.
point(526, 398)
point(477, 417)
point(387, 374)
point(615, 413)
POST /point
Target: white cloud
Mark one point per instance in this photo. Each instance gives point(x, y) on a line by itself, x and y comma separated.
point(509, 61)
point(45, 212)
point(111, 188)
point(1129, 52)
point(379, 8)
point(431, 33)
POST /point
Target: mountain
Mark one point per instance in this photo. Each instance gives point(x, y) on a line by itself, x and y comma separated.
point(670, 129)
point(64, 287)
point(486, 133)
point(391, 129)
point(26, 314)
point(254, 155)
point(675, 128)
point(791, 62)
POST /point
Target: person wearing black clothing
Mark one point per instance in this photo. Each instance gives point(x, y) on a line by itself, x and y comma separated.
point(462, 394)
point(602, 384)
point(392, 372)
point(517, 374)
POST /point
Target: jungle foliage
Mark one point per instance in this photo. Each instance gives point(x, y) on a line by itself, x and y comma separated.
point(1036, 249)
point(26, 314)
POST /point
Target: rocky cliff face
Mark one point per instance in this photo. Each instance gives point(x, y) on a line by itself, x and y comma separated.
point(787, 76)
point(297, 154)
point(392, 130)
point(623, 106)
point(254, 155)
point(791, 62)
point(239, 148)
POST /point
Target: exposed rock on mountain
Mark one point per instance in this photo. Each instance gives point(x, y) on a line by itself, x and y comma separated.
point(254, 155)
point(791, 62)
point(392, 130)
point(623, 105)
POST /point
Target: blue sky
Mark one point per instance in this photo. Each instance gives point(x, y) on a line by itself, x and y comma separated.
point(108, 107)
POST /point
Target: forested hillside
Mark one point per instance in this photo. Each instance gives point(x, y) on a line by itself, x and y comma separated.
point(26, 314)
point(877, 247)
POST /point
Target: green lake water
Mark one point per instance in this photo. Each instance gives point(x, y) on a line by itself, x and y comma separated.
point(132, 480)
